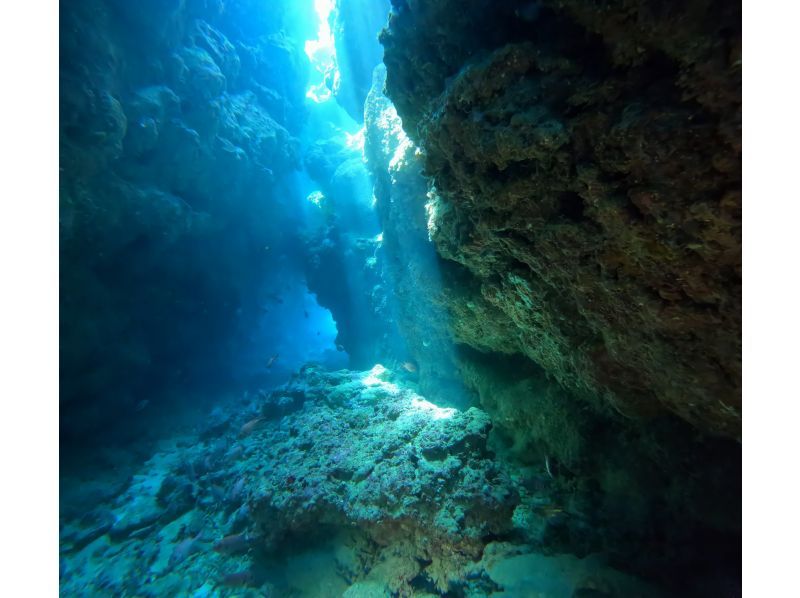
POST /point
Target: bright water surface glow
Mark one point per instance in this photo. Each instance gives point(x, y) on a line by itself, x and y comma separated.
point(322, 54)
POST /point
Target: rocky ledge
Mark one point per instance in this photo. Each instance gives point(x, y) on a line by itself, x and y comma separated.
point(584, 166)
point(349, 482)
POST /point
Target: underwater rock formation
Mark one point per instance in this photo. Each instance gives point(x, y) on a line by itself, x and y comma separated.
point(357, 302)
point(343, 257)
point(173, 166)
point(549, 269)
point(584, 163)
point(367, 451)
point(641, 478)
point(438, 305)
point(412, 268)
point(348, 481)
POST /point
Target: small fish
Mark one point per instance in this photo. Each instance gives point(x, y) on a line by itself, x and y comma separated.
point(409, 366)
point(184, 550)
point(238, 580)
point(271, 360)
point(548, 511)
point(233, 544)
point(250, 426)
point(305, 313)
point(142, 404)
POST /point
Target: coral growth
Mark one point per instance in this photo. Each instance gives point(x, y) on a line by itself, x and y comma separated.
point(166, 156)
point(353, 483)
point(585, 164)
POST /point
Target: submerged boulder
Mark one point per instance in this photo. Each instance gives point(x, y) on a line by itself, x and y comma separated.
point(365, 449)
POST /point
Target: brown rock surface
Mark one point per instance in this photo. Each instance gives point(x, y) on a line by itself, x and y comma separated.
point(585, 165)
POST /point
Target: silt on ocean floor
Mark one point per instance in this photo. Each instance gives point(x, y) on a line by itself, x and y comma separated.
point(373, 298)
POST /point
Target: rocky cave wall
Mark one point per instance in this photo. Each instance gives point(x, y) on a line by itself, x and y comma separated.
point(412, 268)
point(577, 171)
point(585, 169)
point(178, 125)
point(342, 253)
point(561, 230)
point(646, 491)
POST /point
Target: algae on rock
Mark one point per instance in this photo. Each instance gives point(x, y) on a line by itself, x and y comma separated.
point(165, 156)
point(589, 173)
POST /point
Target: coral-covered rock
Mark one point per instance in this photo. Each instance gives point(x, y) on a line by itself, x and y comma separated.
point(358, 478)
point(585, 168)
point(221, 50)
point(364, 449)
point(417, 274)
point(343, 235)
point(195, 73)
point(166, 155)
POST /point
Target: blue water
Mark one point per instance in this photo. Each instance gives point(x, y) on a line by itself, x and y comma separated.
point(261, 389)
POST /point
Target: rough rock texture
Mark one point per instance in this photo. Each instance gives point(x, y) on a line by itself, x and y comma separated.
point(337, 483)
point(357, 301)
point(642, 487)
point(585, 168)
point(522, 572)
point(368, 451)
point(439, 304)
point(343, 257)
point(173, 162)
point(412, 268)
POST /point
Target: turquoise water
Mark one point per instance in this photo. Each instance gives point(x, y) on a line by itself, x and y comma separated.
point(277, 379)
